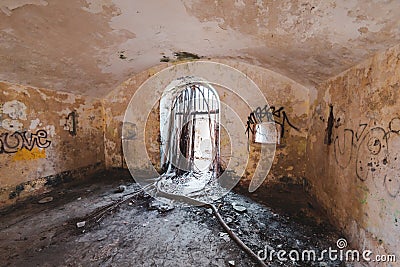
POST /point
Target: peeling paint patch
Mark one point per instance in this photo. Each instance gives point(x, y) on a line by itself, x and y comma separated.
point(15, 109)
point(25, 154)
point(239, 4)
point(12, 125)
point(20, 88)
point(51, 130)
point(34, 124)
point(71, 99)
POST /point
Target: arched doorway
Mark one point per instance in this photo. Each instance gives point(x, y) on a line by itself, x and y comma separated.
point(190, 133)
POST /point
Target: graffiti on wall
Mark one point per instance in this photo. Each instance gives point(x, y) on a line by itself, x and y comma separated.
point(376, 151)
point(269, 114)
point(71, 122)
point(345, 141)
point(12, 143)
point(329, 127)
point(24, 145)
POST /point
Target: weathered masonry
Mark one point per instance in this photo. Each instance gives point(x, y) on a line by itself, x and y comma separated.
point(210, 78)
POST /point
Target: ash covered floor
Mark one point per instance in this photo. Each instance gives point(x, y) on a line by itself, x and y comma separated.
point(141, 233)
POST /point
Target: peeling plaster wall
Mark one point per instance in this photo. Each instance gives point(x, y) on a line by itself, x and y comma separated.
point(38, 145)
point(356, 177)
point(115, 105)
point(279, 91)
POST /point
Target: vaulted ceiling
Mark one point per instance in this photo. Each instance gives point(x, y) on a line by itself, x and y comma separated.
point(91, 46)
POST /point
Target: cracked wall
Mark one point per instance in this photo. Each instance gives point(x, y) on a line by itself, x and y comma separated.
point(38, 145)
point(356, 176)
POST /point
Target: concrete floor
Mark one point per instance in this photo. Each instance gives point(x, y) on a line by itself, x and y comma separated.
point(138, 234)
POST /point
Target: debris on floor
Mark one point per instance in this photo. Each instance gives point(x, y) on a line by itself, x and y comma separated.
point(161, 206)
point(120, 189)
point(224, 236)
point(136, 234)
point(45, 200)
point(80, 224)
point(238, 208)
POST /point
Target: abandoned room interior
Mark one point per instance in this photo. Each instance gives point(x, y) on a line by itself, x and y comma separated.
point(199, 133)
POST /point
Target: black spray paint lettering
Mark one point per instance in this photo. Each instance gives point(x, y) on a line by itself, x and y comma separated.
point(342, 158)
point(12, 143)
point(348, 142)
point(329, 127)
point(267, 113)
point(251, 120)
point(376, 153)
point(70, 123)
point(370, 161)
point(377, 159)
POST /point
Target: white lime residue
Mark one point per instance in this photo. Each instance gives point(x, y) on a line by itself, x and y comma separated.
point(15, 110)
point(34, 124)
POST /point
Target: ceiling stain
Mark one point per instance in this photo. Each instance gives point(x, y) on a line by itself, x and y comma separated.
point(89, 47)
point(180, 56)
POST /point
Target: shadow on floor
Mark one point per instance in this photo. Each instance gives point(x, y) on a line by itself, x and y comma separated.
point(139, 233)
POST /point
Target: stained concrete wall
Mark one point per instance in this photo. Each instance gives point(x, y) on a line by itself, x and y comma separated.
point(280, 92)
point(38, 145)
point(357, 176)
